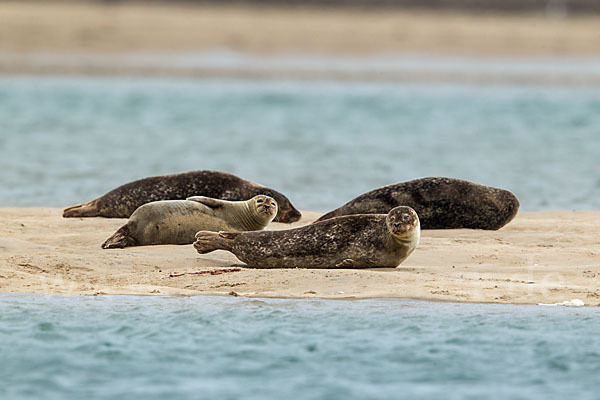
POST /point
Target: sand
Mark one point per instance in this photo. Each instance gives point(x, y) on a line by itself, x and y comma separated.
point(541, 257)
point(27, 27)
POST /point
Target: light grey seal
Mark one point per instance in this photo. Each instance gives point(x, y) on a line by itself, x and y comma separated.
point(177, 221)
point(354, 241)
point(124, 200)
point(442, 203)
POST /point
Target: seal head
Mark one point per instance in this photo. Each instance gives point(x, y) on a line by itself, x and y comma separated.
point(265, 206)
point(403, 223)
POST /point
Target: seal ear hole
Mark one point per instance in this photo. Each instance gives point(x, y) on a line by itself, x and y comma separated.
point(157, 228)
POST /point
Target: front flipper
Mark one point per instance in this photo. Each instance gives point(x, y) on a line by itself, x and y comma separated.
point(207, 201)
point(347, 263)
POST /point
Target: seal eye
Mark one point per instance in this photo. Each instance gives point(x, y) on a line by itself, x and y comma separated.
point(273, 204)
point(259, 200)
point(405, 218)
point(392, 219)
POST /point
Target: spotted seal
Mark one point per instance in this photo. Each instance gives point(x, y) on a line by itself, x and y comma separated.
point(442, 203)
point(177, 221)
point(124, 200)
point(354, 241)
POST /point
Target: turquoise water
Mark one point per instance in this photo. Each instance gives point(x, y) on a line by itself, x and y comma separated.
point(68, 140)
point(55, 347)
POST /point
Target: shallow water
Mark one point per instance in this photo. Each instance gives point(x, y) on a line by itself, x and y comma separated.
point(69, 140)
point(56, 347)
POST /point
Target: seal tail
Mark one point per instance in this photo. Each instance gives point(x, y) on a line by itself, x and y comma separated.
point(121, 238)
point(82, 210)
point(207, 241)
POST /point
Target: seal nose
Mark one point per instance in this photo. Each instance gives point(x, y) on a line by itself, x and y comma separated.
point(396, 225)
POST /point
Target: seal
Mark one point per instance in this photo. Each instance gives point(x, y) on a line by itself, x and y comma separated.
point(442, 203)
point(177, 221)
point(124, 200)
point(353, 241)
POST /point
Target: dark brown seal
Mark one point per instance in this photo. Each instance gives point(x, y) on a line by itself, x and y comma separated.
point(442, 203)
point(354, 241)
point(124, 200)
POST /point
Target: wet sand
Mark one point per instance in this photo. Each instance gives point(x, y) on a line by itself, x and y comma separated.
point(541, 257)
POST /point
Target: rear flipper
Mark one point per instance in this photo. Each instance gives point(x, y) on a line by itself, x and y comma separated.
point(82, 210)
point(121, 238)
point(210, 241)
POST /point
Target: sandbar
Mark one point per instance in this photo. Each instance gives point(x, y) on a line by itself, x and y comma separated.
point(540, 257)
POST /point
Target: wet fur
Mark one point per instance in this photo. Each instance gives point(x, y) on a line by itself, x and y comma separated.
point(124, 200)
point(441, 203)
point(357, 241)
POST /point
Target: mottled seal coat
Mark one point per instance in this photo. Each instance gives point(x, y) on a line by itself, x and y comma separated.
point(177, 221)
point(352, 241)
point(124, 200)
point(442, 203)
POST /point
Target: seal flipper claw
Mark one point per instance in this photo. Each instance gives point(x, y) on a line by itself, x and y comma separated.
point(88, 209)
point(229, 235)
point(348, 262)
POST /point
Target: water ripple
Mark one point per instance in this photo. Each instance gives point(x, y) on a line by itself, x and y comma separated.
point(124, 346)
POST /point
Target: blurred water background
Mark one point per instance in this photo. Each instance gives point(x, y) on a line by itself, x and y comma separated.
point(66, 140)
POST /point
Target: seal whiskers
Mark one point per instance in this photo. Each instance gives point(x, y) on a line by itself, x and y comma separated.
point(249, 219)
